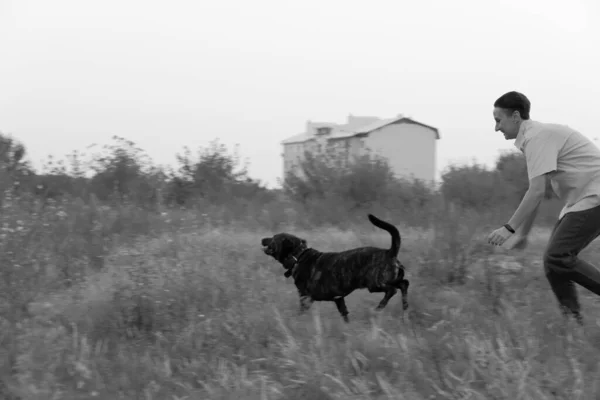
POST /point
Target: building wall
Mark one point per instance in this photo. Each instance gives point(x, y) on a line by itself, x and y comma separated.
point(409, 148)
point(292, 154)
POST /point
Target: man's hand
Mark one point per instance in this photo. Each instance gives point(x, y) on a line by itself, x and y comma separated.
point(499, 236)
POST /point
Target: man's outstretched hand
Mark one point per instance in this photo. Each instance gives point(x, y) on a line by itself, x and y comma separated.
point(499, 236)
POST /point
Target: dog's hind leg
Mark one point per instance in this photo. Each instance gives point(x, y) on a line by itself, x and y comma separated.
point(390, 291)
point(341, 306)
point(403, 286)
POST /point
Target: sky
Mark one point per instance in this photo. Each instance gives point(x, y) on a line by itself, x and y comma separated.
point(182, 73)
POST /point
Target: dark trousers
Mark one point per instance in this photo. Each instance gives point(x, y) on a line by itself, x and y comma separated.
point(562, 264)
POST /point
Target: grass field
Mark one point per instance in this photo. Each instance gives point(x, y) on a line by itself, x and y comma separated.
point(204, 314)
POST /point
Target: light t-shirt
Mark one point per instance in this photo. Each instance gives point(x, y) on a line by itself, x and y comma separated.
point(571, 158)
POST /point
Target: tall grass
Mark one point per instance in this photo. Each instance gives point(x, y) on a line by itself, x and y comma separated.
point(129, 285)
point(182, 306)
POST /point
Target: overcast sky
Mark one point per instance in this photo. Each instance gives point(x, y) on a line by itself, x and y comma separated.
point(181, 73)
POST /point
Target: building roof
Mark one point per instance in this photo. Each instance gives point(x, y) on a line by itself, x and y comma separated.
point(298, 138)
point(351, 130)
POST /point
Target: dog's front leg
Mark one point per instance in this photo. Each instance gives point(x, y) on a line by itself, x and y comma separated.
point(305, 303)
point(341, 306)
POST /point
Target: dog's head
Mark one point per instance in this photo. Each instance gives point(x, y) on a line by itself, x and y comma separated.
point(282, 246)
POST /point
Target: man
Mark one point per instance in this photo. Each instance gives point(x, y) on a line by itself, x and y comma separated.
point(572, 164)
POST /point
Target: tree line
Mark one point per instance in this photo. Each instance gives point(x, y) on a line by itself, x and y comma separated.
point(323, 185)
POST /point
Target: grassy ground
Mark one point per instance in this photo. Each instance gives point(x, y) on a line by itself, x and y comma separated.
point(206, 315)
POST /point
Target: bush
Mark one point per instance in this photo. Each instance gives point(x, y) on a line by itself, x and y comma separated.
point(334, 192)
point(214, 177)
point(474, 187)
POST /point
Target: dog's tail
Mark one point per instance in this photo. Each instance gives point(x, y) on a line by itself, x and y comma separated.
point(392, 230)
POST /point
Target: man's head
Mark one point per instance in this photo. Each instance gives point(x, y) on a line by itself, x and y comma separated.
point(510, 110)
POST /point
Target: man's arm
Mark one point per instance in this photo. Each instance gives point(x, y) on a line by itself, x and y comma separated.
point(528, 224)
point(527, 210)
point(522, 235)
point(541, 156)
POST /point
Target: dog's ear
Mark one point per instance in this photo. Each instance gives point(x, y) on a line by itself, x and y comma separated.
point(287, 245)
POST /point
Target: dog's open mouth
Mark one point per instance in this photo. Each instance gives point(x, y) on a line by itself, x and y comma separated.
point(265, 246)
point(267, 250)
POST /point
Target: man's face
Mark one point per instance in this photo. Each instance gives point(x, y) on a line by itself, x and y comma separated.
point(507, 123)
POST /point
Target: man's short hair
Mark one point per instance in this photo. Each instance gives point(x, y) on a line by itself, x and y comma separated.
point(514, 101)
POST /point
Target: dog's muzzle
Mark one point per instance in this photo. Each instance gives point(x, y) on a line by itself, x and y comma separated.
point(265, 247)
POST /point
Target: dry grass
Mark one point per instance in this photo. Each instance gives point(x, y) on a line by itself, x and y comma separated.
point(206, 315)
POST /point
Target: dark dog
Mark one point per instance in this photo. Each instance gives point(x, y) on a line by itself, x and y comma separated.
point(332, 276)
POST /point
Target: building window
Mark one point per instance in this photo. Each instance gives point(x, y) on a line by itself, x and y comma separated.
point(325, 130)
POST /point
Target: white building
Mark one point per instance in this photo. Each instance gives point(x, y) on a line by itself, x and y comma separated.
point(408, 145)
